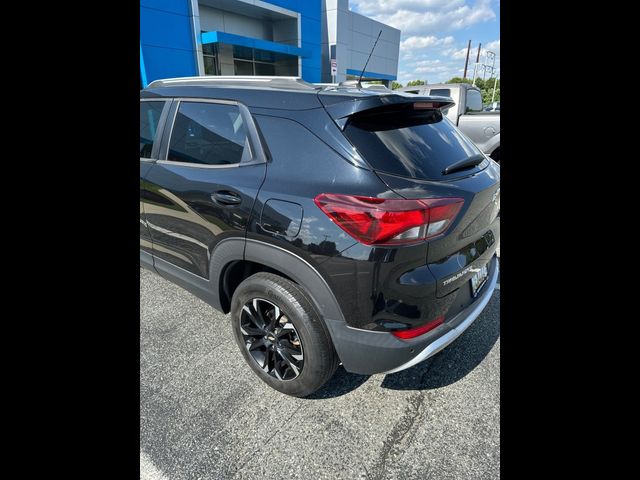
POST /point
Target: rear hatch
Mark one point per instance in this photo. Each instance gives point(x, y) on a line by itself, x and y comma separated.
point(420, 154)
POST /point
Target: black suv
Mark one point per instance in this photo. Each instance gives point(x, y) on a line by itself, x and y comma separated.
point(337, 225)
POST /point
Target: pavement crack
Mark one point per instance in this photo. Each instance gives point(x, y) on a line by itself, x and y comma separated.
point(392, 445)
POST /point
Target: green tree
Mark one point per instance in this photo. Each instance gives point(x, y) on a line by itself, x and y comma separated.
point(487, 91)
point(414, 83)
point(395, 85)
point(458, 80)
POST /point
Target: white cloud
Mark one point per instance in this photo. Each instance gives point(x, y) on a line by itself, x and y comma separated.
point(458, 54)
point(432, 70)
point(423, 42)
point(415, 16)
point(494, 46)
point(426, 63)
point(377, 7)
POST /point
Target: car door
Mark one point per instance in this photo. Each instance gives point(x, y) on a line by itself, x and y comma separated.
point(210, 168)
point(153, 113)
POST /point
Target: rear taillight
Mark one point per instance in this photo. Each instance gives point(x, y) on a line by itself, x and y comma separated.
point(417, 331)
point(389, 221)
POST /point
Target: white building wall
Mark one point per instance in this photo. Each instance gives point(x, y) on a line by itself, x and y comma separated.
point(224, 21)
point(354, 35)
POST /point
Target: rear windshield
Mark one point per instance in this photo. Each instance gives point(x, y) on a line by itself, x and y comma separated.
point(412, 143)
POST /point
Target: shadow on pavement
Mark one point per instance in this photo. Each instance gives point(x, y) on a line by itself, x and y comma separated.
point(457, 360)
point(341, 383)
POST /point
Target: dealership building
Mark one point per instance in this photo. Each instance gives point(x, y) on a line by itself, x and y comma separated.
point(318, 40)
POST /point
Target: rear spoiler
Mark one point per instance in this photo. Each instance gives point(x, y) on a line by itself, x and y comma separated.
point(340, 106)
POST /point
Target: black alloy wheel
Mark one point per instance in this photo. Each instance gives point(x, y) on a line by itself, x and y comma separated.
point(283, 339)
point(271, 339)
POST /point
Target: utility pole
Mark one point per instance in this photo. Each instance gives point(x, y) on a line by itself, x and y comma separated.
point(466, 62)
point(475, 68)
point(489, 63)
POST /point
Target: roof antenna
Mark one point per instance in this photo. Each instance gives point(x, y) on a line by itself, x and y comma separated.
point(367, 63)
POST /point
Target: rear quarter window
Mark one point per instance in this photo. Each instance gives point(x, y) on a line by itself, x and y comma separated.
point(150, 112)
point(208, 134)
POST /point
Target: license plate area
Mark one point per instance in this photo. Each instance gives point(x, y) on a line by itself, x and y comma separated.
point(479, 279)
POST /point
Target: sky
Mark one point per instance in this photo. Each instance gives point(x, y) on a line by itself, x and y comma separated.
point(435, 34)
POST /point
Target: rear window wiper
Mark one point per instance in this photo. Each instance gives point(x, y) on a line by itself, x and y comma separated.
point(464, 164)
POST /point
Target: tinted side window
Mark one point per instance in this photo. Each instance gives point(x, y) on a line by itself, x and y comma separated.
point(209, 134)
point(474, 101)
point(441, 92)
point(149, 116)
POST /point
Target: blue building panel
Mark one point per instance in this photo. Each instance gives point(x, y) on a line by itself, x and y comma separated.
point(368, 74)
point(168, 63)
point(311, 37)
point(164, 29)
point(180, 7)
point(143, 72)
point(166, 40)
point(306, 8)
point(311, 74)
point(310, 30)
point(314, 55)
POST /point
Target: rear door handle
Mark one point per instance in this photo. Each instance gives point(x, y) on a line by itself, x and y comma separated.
point(226, 198)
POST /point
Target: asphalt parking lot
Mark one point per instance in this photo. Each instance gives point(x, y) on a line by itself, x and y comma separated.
point(204, 415)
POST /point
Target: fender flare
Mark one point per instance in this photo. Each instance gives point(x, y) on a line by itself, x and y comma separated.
point(278, 258)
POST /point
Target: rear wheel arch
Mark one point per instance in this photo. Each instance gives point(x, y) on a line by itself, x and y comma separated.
point(234, 273)
point(234, 260)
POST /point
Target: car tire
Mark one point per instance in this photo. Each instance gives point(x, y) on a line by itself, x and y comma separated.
point(281, 336)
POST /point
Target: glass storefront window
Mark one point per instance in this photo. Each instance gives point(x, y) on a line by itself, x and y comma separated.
point(243, 68)
point(244, 53)
point(249, 61)
point(264, 56)
point(210, 65)
point(210, 58)
point(265, 68)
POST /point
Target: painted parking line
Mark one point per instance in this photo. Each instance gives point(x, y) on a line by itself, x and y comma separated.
point(148, 471)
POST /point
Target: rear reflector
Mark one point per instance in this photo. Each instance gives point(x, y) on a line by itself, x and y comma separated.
point(380, 221)
point(417, 331)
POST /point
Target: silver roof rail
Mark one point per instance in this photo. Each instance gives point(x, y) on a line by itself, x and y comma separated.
point(295, 83)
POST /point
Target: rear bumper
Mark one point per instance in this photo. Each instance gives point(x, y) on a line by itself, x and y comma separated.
point(369, 352)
